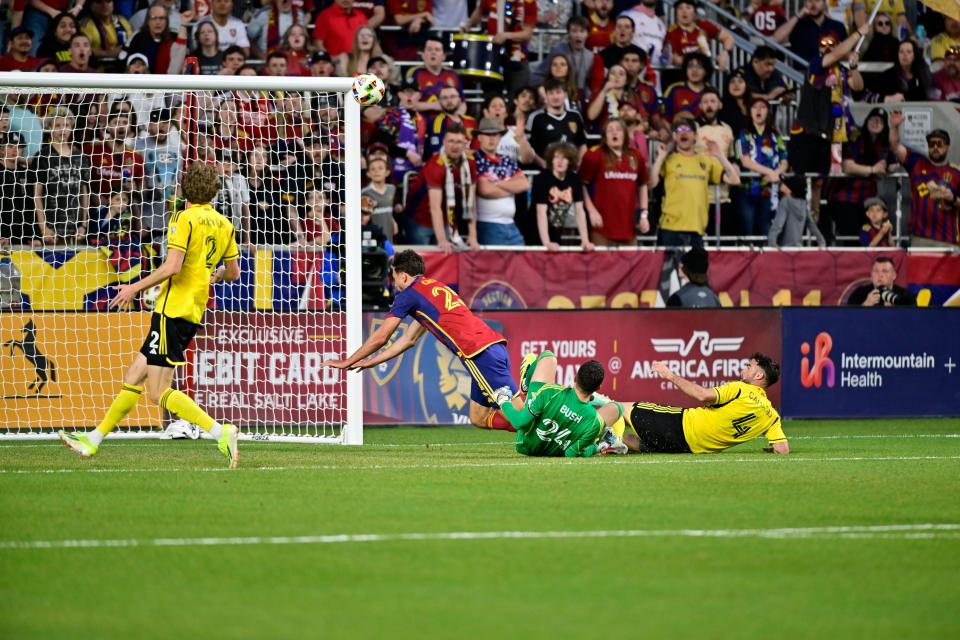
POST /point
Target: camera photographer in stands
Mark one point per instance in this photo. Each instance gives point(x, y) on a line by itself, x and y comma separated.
point(882, 292)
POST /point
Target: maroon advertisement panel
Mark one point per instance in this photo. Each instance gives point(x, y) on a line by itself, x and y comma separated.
point(265, 367)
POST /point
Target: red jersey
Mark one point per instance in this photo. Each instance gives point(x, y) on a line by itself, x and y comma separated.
point(614, 189)
point(929, 218)
point(336, 28)
point(441, 311)
point(431, 83)
point(433, 175)
point(767, 19)
point(600, 36)
point(112, 168)
point(9, 63)
point(683, 42)
point(406, 7)
point(518, 14)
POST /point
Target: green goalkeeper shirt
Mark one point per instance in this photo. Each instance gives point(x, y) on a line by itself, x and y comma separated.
point(555, 422)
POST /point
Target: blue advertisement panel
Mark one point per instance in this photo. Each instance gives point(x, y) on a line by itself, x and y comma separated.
point(871, 362)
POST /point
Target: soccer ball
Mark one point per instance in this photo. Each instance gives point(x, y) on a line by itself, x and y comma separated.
point(148, 299)
point(368, 89)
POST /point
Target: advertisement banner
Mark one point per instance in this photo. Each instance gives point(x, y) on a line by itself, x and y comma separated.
point(265, 367)
point(62, 370)
point(871, 363)
point(428, 384)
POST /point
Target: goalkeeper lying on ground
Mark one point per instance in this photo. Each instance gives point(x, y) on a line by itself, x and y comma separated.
point(557, 421)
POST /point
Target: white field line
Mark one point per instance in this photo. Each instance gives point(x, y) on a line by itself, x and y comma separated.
point(520, 462)
point(899, 532)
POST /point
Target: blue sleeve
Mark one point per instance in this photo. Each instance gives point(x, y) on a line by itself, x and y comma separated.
point(404, 304)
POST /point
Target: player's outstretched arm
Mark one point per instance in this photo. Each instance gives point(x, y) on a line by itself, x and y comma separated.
point(695, 391)
point(127, 292)
point(410, 337)
point(373, 344)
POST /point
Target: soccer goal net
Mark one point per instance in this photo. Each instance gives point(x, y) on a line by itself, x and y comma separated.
point(89, 181)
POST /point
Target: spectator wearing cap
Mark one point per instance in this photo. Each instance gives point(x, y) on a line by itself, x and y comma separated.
point(154, 40)
point(404, 130)
point(80, 54)
point(687, 176)
point(946, 82)
point(761, 150)
point(18, 58)
point(433, 76)
point(268, 24)
point(160, 147)
point(336, 26)
point(689, 34)
point(807, 26)
point(908, 80)
point(61, 174)
point(499, 180)
point(866, 159)
point(684, 97)
point(56, 41)
point(696, 292)
point(109, 32)
point(17, 218)
point(116, 166)
point(137, 64)
point(231, 31)
point(950, 37)
point(321, 65)
point(878, 230)
point(934, 183)
point(415, 19)
point(513, 32)
point(793, 217)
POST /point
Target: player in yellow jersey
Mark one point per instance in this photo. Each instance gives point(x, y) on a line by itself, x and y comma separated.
point(198, 239)
point(731, 414)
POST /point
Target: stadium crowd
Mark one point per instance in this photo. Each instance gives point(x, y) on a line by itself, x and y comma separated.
point(619, 130)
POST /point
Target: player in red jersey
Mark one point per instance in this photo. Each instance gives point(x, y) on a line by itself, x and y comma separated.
point(440, 311)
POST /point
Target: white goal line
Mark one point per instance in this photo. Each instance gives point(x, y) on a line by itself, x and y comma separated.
point(925, 531)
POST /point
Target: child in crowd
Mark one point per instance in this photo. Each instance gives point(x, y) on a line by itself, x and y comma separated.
point(879, 231)
point(383, 195)
point(793, 217)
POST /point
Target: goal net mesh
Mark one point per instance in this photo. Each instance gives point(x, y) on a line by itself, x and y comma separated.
point(88, 183)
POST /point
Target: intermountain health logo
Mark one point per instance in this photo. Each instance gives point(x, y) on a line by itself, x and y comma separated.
point(812, 376)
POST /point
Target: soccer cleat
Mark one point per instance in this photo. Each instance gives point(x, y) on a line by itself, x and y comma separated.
point(611, 444)
point(598, 399)
point(79, 443)
point(227, 444)
point(528, 359)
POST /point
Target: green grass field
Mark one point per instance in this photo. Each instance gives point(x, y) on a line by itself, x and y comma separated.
point(737, 545)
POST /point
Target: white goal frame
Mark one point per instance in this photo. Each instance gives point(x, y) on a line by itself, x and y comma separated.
point(351, 432)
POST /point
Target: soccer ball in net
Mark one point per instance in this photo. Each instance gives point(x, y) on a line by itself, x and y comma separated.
point(368, 89)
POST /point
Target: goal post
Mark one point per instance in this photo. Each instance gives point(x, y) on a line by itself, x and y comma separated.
point(89, 175)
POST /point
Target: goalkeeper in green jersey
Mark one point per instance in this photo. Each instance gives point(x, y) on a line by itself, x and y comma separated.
point(555, 421)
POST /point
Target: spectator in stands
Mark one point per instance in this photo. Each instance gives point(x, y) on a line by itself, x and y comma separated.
point(695, 292)
point(450, 113)
point(115, 165)
point(276, 65)
point(230, 30)
point(404, 130)
point(80, 54)
point(933, 181)
point(793, 217)
point(649, 30)
point(321, 65)
point(883, 291)
point(499, 181)
point(321, 168)
point(294, 43)
point(449, 14)
point(805, 29)
point(908, 80)
point(943, 41)
point(616, 182)
point(207, 52)
point(319, 222)
point(160, 147)
point(109, 33)
point(601, 26)
point(56, 40)
point(557, 196)
point(433, 76)
point(373, 10)
point(383, 194)
point(762, 77)
point(558, 66)
point(336, 27)
point(62, 178)
point(233, 198)
point(579, 58)
point(946, 82)
point(689, 34)
point(684, 97)
point(866, 158)
point(228, 133)
point(878, 230)
point(138, 19)
point(623, 41)
point(272, 221)
point(554, 123)
point(267, 26)
point(736, 98)
point(766, 16)
point(517, 31)
point(687, 177)
point(366, 46)
point(637, 126)
point(823, 118)
point(883, 45)
point(513, 142)
point(17, 218)
point(524, 104)
point(442, 202)
point(720, 133)
point(154, 40)
point(19, 47)
point(43, 17)
point(761, 150)
point(606, 103)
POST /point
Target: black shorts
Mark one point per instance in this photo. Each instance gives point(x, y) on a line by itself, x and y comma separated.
point(660, 428)
point(809, 154)
point(167, 340)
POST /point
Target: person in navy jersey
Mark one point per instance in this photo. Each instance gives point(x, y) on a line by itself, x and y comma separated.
point(807, 27)
point(439, 310)
point(684, 97)
point(934, 183)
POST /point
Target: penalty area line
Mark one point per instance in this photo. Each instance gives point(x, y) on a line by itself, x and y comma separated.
point(925, 531)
